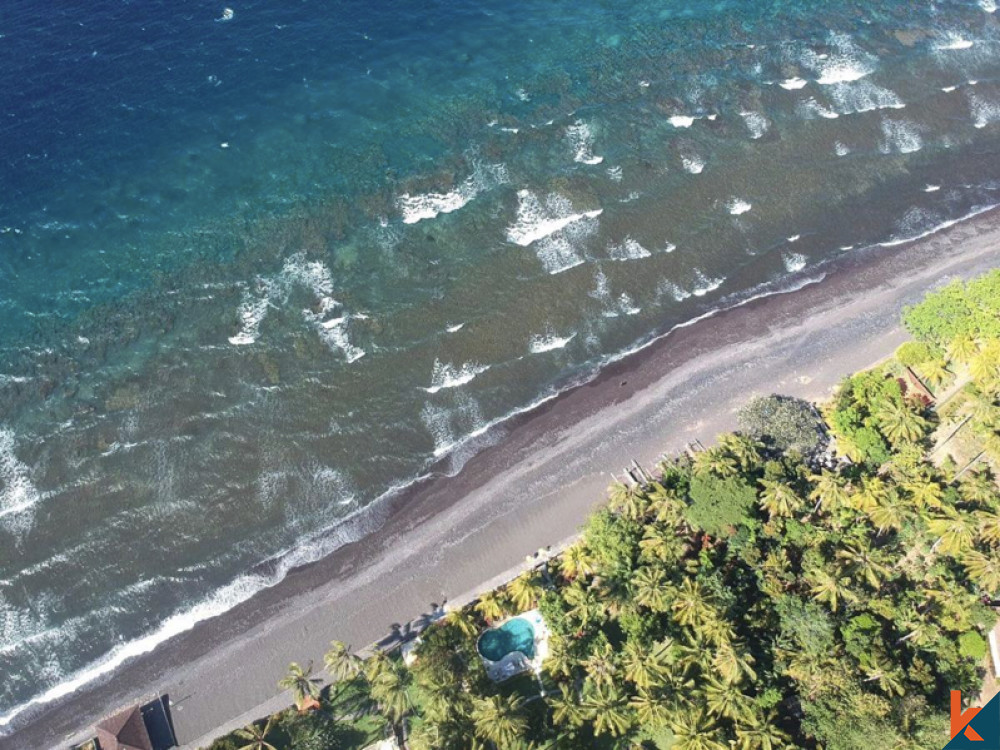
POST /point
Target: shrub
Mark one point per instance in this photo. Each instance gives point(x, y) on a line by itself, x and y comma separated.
point(782, 422)
point(720, 504)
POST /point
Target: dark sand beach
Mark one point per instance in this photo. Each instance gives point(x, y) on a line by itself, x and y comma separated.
point(532, 488)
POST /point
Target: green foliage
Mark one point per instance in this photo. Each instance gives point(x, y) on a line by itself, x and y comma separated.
point(781, 422)
point(972, 645)
point(914, 353)
point(720, 504)
point(970, 309)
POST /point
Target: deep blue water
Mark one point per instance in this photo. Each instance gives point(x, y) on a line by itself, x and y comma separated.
point(256, 272)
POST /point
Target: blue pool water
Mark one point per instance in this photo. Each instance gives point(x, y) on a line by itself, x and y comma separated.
point(257, 272)
point(514, 635)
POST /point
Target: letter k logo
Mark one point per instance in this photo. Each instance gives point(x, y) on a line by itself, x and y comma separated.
point(960, 719)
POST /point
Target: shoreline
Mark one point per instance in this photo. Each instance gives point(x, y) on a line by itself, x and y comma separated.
point(442, 537)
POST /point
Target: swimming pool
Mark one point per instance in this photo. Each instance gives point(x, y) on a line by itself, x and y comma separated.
point(514, 635)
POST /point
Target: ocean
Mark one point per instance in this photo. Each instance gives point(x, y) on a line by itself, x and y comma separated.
point(261, 267)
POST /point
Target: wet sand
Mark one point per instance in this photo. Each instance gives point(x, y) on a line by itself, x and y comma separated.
point(447, 536)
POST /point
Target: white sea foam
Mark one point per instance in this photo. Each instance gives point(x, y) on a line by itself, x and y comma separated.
point(990, 6)
point(419, 207)
point(455, 328)
point(449, 376)
point(938, 227)
point(810, 109)
point(756, 123)
point(794, 238)
point(953, 42)
point(983, 112)
point(793, 84)
point(794, 262)
point(900, 136)
point(454, 425)
point(862, 96)
point(627, 249)
point(558, 253)
point(675, 291)
point(932, 188)
point(705, 284)
point(536, 219)
point(948, 89)
point(582, 140)
point(737, 206)
point(547, 342)
point(841, 149)
point(615, 173)
point(681, 121)
point(273, 291)
point(17, 492)
point(669, 247)
point(692, 164)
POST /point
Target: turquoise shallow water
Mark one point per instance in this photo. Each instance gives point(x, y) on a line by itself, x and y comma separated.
point(257, 272)
point(514, 635)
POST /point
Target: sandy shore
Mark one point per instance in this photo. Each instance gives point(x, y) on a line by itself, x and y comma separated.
point(533, 488)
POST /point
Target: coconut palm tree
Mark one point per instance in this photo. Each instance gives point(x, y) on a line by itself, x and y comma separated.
point(498, 720)
point(462, 621)
point(694, 731)
point(984, 368)
point(983, 570)
point(760, 733)
point(828, 588)
point(651, 711)
point(566, 708)
point(525, 590)
point(717, 461)
point(601, 665)
point(628, 499)
point(955, 532)
point(925, 492)
point(390, 689)
point(978, 487)
point(560, 661)
point(256, 736)
point(650, 586)
point(490, 606)
point(891, 512)
point(732, 664)
point(607, 710)
point(934, 371)
point(376, 664)
point(305, 688)
point(576, 561)
point(899, 423)
point(725, 700)
point(864, 561)
point(829, 491)
point(962, 348)
point(988, 526)
point(645, 667)
point(342, 663)
point(692, 606)
point(778, 499)
point(661, 544)
point(745, 450)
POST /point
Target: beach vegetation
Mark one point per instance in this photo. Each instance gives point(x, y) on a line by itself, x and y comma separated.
point(765, 593)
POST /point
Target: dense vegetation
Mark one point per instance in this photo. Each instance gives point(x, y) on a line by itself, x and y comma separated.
point(750, 595)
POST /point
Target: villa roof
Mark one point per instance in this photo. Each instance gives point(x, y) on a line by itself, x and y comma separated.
point(125, 730)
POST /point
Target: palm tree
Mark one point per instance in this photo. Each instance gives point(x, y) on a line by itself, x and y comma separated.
point(829, 589)
point(566, 709)
point(724, 700)
point(462, 621)
point(830, 491)
point(888, 678)
point(628, 499)
point(651, 711)
point(873, 492)
point(256, 736)
point(305, 688)
point(525, 590)
point(693, 731)
point(864, 561)
point(760, 733)
point(607, 710)
point(744, 449)
point(582, 606)
point(342, 663)
point(891, 512)
point(955, 532)
point(925, 492)
point(490, 606)
point(390, 689)
point(498, 720)
point(559, 661)
point(650, 586)
point(962, 348)
point(983, 570)
point(601, 665)
point(988, 526)
point(778, 499)
point(899, 423)
point(376, 664)
point(576, 561)
point(717, 461)
point(645, 668)
point(978, 487)
point(935, 371)
point(731, 664)
point(983, 368)
point(692, 605)
point(662, 544)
